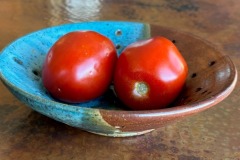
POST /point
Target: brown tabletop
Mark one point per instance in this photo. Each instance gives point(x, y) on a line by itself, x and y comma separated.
point(212, 134)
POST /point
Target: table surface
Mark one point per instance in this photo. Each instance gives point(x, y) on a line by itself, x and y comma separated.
point(212, 134)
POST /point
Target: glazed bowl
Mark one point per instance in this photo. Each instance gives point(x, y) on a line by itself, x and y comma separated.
point(212, 77)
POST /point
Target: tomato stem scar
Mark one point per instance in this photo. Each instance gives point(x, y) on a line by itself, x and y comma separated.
point(140, 89)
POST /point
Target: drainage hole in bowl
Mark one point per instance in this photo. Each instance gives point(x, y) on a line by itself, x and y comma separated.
point(198, 89)
point(36, 72)
point(118, 46)
point(118, 32)
point(18, 61)
point(193, 75)
point(211, 63)
point(209, 92)
point(204, 92)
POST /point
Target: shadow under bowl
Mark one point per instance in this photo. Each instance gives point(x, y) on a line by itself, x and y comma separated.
point(212, 77)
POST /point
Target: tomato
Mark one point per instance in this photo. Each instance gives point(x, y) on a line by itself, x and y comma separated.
point(150, 74)
point(79, 66)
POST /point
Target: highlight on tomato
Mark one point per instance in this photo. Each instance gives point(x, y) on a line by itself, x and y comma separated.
point(79, 66)
point(150, 74)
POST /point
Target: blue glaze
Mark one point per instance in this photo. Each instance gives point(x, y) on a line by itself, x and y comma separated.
point(23, 57)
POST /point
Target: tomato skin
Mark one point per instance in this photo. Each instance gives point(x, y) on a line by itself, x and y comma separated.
point(79, 66)
point(150, 74)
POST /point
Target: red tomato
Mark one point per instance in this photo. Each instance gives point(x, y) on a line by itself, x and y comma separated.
point(150, 74)
point(79, 66)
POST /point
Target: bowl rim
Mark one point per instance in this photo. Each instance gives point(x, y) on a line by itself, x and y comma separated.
point(175, 110)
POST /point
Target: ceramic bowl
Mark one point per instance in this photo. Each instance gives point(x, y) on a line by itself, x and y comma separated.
point(212, 76)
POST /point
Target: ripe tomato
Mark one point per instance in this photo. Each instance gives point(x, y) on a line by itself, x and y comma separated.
point(150, 74)
point(79, 66)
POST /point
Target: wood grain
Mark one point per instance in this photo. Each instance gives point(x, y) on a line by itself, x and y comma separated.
point(214, 134)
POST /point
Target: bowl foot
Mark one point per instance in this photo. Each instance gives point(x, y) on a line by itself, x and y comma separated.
point(123, 134)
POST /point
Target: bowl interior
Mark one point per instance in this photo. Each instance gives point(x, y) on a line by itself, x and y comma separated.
point(210, 72)
point(21, 62)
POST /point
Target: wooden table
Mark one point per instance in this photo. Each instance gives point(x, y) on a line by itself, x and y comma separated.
point(212, 134)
